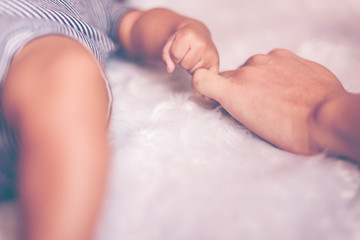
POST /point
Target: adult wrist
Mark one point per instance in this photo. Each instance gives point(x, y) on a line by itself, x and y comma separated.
point(325, 124)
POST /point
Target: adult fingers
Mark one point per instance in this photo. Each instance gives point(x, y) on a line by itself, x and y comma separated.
point(211, 85)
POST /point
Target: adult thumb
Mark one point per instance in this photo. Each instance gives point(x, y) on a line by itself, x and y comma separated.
point(209, 85)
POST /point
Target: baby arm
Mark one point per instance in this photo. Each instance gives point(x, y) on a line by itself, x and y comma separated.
point(296, 104)
point(160, 33)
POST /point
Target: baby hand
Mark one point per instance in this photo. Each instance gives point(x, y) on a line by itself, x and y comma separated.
point(192, 48)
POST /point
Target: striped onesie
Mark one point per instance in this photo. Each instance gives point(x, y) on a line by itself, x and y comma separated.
point(93, 23)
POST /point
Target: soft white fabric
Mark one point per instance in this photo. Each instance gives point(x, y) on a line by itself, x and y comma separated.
point(181, 170)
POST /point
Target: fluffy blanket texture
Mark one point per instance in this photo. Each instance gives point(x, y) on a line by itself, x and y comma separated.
point(182, 170)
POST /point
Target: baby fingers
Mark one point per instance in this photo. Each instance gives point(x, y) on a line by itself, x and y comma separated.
point(191, 51)
point(166, 54)
point(175, 51)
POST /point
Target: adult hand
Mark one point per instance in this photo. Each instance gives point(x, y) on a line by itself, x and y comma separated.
point(277, 96)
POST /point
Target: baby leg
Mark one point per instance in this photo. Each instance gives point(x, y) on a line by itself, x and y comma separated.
point(55, 97)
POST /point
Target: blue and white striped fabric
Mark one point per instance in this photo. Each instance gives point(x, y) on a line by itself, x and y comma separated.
point(93, 23)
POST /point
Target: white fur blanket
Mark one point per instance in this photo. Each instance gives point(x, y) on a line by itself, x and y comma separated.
point(183, 171)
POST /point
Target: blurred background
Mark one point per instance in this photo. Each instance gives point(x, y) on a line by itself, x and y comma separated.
point(183, 171)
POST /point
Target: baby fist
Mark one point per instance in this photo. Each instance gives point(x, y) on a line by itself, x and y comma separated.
point(192, 48)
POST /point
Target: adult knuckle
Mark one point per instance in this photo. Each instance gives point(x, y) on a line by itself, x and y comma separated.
point(279, 51)
point(257, 59)
point(245, 72)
